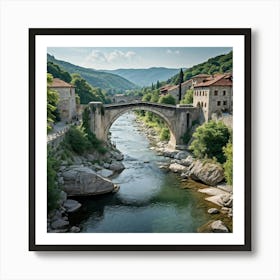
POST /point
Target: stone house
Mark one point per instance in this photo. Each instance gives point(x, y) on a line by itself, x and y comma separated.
point(214, 95)
point(67, 100)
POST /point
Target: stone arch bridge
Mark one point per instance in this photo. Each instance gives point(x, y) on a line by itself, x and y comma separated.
point(177, 117)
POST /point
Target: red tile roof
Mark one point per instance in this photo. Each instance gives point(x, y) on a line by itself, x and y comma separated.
point(217, 80)
point(57, 83)
point(202, 76)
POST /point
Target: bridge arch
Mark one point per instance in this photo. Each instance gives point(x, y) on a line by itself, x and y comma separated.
point(156, 112)
point(178, 118)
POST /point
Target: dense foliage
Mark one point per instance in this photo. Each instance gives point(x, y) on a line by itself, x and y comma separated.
point(52, 101)
point(188, 97)
point(228, 164)
point(209, 140)
point(86, 92)
point(77, 140)
point(57, 72)
point(167, 99)
point(218, 64)
point(53, 189)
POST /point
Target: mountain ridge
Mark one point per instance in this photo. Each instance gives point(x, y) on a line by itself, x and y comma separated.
point(145, 76)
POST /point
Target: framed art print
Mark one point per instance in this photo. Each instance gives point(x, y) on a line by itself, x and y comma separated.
point(140, 139)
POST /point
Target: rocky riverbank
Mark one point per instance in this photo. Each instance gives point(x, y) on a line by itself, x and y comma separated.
point(208, 174)
point(87, 176)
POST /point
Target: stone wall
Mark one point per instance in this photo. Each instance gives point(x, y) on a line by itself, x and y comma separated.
point(67, 103)
point(220, 100)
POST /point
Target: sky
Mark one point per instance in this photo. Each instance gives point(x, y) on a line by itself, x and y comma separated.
point(119, 57)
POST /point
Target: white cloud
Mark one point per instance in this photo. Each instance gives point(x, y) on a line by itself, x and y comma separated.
point(172, 51)
point(114, 56)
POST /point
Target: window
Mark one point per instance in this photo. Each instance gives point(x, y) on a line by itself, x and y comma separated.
point(224, 103)
point(218, 103)
point(215, 92)
point(201, 104)
point(205, 104)
point(224, 93)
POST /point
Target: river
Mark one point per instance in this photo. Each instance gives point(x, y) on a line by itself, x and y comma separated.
point(149, 200)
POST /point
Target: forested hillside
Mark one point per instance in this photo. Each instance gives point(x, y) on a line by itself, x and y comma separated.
point(218, 64)
point(106, 81)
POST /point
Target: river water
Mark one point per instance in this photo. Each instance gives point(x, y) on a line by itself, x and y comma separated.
point(150, 199)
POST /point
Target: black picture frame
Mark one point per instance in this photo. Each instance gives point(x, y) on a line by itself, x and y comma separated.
point(246, 32)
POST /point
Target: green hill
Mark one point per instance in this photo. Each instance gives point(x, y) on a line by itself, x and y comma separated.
point(218, 64)
point(99, 79)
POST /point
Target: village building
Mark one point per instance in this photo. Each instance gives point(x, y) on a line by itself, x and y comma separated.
point(214, 95)
point(174, 90)
point(67, 99)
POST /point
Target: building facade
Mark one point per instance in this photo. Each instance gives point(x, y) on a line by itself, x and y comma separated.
point(67, 100)
point(214, 95)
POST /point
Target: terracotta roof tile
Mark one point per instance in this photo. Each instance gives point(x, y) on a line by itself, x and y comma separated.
point(218, 80)
point(57, 83)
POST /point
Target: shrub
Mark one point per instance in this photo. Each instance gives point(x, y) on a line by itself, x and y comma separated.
point(209, 140)
point(228, 164)
point(164, 134)
point(77, 140)
point(167, 99)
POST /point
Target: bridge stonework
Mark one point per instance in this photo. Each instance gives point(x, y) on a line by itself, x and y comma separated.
point(178, 118)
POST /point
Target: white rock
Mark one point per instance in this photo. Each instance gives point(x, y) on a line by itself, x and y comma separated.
point(218, 226)
point(213, 211)
point(175, 167)
point(105, 172)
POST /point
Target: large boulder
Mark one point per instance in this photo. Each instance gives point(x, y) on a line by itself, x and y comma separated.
point(117, 166)
point(181, 155)
point(79, 180)
point(208, 173)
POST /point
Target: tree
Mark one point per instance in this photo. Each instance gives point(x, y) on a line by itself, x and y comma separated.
point(167, 99)
point(228, 164)
point(188, 98)
point(52, 101)
point(158, 85)
point(209, 140)
point(86, 92)
point(147, 97)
